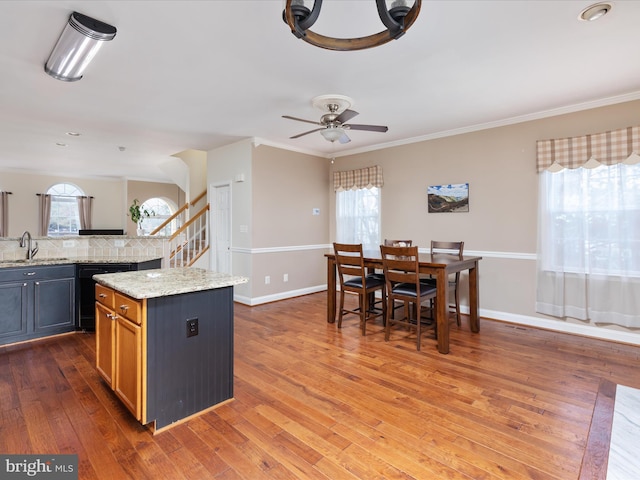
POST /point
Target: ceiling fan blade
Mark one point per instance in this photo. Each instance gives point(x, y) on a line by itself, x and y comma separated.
point(301, 120)
point(370, 128)
point(346, 116)
point(344, 138)
point(307, 133)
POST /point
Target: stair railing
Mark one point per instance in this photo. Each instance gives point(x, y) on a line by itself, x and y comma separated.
point(190, 241)
point(175, 221)
point(172, 223)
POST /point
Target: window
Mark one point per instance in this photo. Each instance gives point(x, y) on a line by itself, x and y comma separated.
point(589, 227)
point(162, 211)
point(590, 220)
point(358, 217)
point(64, 218)
point(589, 245)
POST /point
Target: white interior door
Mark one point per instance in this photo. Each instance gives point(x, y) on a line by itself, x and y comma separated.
point(221, 222)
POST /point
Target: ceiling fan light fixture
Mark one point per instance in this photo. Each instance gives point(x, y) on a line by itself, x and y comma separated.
point(594, 12)
point(79, 42)
point(332, 133)
point(396, 15)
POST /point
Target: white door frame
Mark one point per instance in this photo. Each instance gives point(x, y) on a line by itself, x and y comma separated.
point(211, 193)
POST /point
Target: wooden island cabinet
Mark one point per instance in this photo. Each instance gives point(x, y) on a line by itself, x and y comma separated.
point(164, 341)
point(119, 355)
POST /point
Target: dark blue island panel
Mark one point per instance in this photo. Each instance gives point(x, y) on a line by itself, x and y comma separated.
point(189, 354)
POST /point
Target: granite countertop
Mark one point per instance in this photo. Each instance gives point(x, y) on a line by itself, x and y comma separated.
point(162, 282)
point(66, 260)
point(131, 259)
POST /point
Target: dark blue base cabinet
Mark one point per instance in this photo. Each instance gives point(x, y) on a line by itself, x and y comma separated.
point(188, 374)
point(36, 302)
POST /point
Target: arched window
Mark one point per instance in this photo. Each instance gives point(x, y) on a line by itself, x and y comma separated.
point(162, 210)
point(65, 218)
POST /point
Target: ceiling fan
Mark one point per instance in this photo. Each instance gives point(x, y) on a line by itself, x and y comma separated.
point(333, 124)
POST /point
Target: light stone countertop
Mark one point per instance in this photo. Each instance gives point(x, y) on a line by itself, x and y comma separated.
point(162, 282)
point(41, 261)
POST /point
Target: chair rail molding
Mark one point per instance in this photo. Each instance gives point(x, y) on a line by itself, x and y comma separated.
point(328, 246)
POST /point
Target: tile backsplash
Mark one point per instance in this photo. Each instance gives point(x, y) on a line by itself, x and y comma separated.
point(104, 246)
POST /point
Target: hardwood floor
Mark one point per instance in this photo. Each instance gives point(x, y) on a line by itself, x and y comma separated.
point(313, 402)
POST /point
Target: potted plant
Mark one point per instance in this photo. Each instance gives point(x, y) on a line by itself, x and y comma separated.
point(138, 214)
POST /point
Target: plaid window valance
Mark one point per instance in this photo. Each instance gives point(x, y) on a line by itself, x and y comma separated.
point(607, 148)
point(354, 179)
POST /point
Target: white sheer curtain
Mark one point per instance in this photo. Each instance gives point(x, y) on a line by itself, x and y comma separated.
point(589, 243)
point(358, 206)
point(358, 217)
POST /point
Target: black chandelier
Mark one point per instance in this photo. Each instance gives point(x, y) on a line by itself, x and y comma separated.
point(397, 18)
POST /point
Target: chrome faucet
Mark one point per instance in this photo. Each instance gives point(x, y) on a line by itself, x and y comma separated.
point(31, 252)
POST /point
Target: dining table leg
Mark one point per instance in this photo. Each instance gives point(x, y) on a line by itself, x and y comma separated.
point(474, 315)
point(331, 290)
point(442, 311)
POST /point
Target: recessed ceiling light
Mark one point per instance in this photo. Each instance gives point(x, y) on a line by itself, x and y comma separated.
point(60, 144)
point(73, 134)
point(594, 12)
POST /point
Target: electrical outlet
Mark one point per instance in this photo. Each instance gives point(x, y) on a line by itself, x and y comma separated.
point(192, 327)
point(285, 277)
point(267, 280)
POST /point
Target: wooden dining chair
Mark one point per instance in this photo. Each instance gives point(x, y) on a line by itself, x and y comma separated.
point(454, 248)
point(355, 279)
point(395, 243)
point(401, 272)
point(398, 243)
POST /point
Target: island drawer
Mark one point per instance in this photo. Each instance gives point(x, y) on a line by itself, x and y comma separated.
point(105, 296)
point(128, 308)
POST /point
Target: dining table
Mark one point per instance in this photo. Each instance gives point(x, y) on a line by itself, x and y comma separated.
point(439, 266)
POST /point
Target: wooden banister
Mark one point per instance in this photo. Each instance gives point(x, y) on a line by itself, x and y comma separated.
point(198, 198)
point(170, 219)
point(190, 221)
point(179, 212)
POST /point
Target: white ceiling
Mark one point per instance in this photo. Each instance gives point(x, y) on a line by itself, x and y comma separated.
point(201, 74)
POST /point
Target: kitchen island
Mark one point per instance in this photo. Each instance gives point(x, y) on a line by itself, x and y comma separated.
point(164, 341)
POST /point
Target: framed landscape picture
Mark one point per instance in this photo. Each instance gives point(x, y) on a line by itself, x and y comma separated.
point(448, 198)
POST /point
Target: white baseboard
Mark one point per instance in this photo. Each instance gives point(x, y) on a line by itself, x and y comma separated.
point(548, 324)
point(559, 326)
point(277, 296)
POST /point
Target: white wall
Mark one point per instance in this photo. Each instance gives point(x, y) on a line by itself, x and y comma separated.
point(196, 160)
point(224, 165)
point(108, 199)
